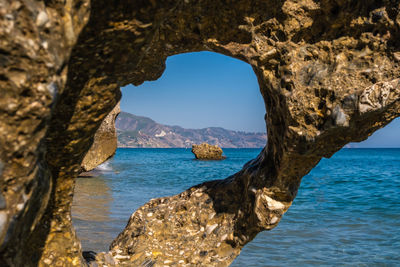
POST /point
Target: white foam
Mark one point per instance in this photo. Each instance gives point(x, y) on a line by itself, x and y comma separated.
point(105, 167)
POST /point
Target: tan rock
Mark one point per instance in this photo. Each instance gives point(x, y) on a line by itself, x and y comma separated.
point(206, 151)
point(328, 76)
point(104, 143)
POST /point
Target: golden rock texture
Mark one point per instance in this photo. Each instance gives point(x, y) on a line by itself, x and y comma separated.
point(207, 152)
point(104, 143)
point(328, 71)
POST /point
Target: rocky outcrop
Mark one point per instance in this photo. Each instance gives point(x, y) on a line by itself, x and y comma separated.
point(328, 72)
point(104, 142)
point(207, 152)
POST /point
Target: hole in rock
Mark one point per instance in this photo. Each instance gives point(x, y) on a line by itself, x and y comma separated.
point(346, 211)
point(201, 97)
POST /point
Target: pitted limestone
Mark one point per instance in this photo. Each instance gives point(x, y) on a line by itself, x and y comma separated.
point(328, 74)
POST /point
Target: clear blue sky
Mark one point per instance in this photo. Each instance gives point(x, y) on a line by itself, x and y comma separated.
point(199, 90)
point(205, 89)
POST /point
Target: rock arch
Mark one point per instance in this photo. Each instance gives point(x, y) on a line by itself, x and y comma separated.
point(328, 72)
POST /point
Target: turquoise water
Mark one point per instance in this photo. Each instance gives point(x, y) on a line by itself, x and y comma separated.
point(347, 211)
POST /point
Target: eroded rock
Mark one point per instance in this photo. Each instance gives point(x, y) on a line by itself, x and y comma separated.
point(104, 143)
point(206, 151)
point(328, 72)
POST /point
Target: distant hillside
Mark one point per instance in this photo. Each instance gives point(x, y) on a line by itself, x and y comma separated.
point(137, 131)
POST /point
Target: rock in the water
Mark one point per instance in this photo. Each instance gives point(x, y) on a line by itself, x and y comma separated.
point(207, 152)
point(104, 143)
point(89, 174)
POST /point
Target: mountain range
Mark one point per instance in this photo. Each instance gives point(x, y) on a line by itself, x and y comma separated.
point(137, 131)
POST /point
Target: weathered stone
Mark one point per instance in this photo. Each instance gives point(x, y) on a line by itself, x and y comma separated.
point(104, 143)
point(3, 203)
point(3, 221)
point(207, 152)
point(328, 72)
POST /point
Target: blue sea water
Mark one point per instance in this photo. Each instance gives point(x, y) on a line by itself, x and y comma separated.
point(347, 211)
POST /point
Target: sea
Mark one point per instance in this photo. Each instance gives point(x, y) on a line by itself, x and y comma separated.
point(346, 213)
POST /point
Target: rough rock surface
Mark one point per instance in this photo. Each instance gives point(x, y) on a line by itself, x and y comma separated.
point(207, 152)
point(104, 143)
point(328, 72)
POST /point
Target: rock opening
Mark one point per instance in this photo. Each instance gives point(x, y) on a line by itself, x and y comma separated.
point(328, 76)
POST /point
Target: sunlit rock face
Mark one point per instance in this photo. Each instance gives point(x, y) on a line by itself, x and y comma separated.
point(104, 143)
point(328, 72)
point(206, 151)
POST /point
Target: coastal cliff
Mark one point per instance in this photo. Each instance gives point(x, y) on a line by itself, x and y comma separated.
point(328, 72)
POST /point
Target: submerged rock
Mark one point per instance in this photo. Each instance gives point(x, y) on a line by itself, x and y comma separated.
point(90, 174)
point(206, 151)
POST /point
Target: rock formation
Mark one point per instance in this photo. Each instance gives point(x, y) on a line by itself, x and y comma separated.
point(104, 143)
point(328, 72)
point(207, 152)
